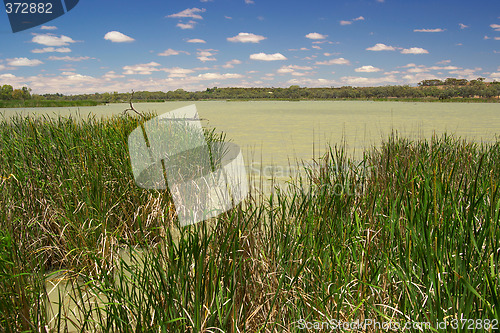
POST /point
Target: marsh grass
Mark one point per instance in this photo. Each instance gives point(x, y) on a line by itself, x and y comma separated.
point(409, 233)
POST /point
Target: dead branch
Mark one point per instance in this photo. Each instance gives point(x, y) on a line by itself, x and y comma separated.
point(132, 107)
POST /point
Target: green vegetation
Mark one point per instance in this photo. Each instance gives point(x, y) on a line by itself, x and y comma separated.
point(449, 90)
point(411, 232)
point(38, 103)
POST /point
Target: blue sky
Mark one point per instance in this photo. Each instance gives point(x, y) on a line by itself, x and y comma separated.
point(106, 46)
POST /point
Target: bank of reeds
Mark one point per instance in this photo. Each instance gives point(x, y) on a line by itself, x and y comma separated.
point(408, 234)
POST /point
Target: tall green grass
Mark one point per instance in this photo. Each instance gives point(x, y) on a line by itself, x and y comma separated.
point(409, 233)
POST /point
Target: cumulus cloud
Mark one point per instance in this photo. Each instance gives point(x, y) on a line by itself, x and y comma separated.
point(267, 57)
point(414, 50)
point(189, 25)
point(196, 40)
point(496, 27)
point(206, 55)
point(112, 75)
point(429, 30)
point(467, 73)
point(48, 27)
point(178, 72)
point(381, 47)
point(345, 22)
point(367, 69)
point(141, 69)
point(52, 40)
point(231, 63)
point(23, 62)
point(52, 49)
point(463, 26)
point(171, 52)
point(245, 37)
point(315, 35)
point(366, 81)
point(118, 37)
point(190, 12)
point(67, 58)
point(217, 76)
point(338, 61)
point(291, 69)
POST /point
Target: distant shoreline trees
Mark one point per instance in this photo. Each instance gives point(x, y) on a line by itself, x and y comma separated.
point(449, 89)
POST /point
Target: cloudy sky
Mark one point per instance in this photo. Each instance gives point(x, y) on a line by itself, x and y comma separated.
point(120, 45)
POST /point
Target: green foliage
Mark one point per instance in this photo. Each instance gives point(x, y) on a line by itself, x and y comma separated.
point(410, 232)
point(427, 90)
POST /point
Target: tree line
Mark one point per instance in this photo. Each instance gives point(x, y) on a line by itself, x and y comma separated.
point(7, 92)
point(450, 88)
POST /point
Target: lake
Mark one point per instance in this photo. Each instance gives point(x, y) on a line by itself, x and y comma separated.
point(272, 132)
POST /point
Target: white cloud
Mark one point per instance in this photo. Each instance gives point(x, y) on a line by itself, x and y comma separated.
point(486, 37)
point(184, 26)
point(141, 69)
point(494, 76)
point(206, 55)
point(267, 57)
point(418, 70)
point(463, 26)
point(338, 61)
point(429, 30)
point(315, 35)
point(52, 49)
point(443, 62)
point(381, 47)
point(345, 22)
point(365, 81)
point(170, 52)
point(52, 40)
point(292, 68)
point(312, 82)
point(466, 73)
point(47, 27)
point(249, 2)
point(496, 27)
point(367, 69)
point(190, 12)
point(67, 58)
point(228, 17)
point(245, 37)
point(22, 62)
point(231, 63)
point(497, 38)
point(178, 72)
point(414, 50)
point(118, 37)
point(217, 76)
point(317, 47)
point(112, 75)
point(206, 0)
point(196, 40)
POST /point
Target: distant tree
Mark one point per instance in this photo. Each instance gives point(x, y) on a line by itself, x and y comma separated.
point(6, 92)
point(17, 94)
